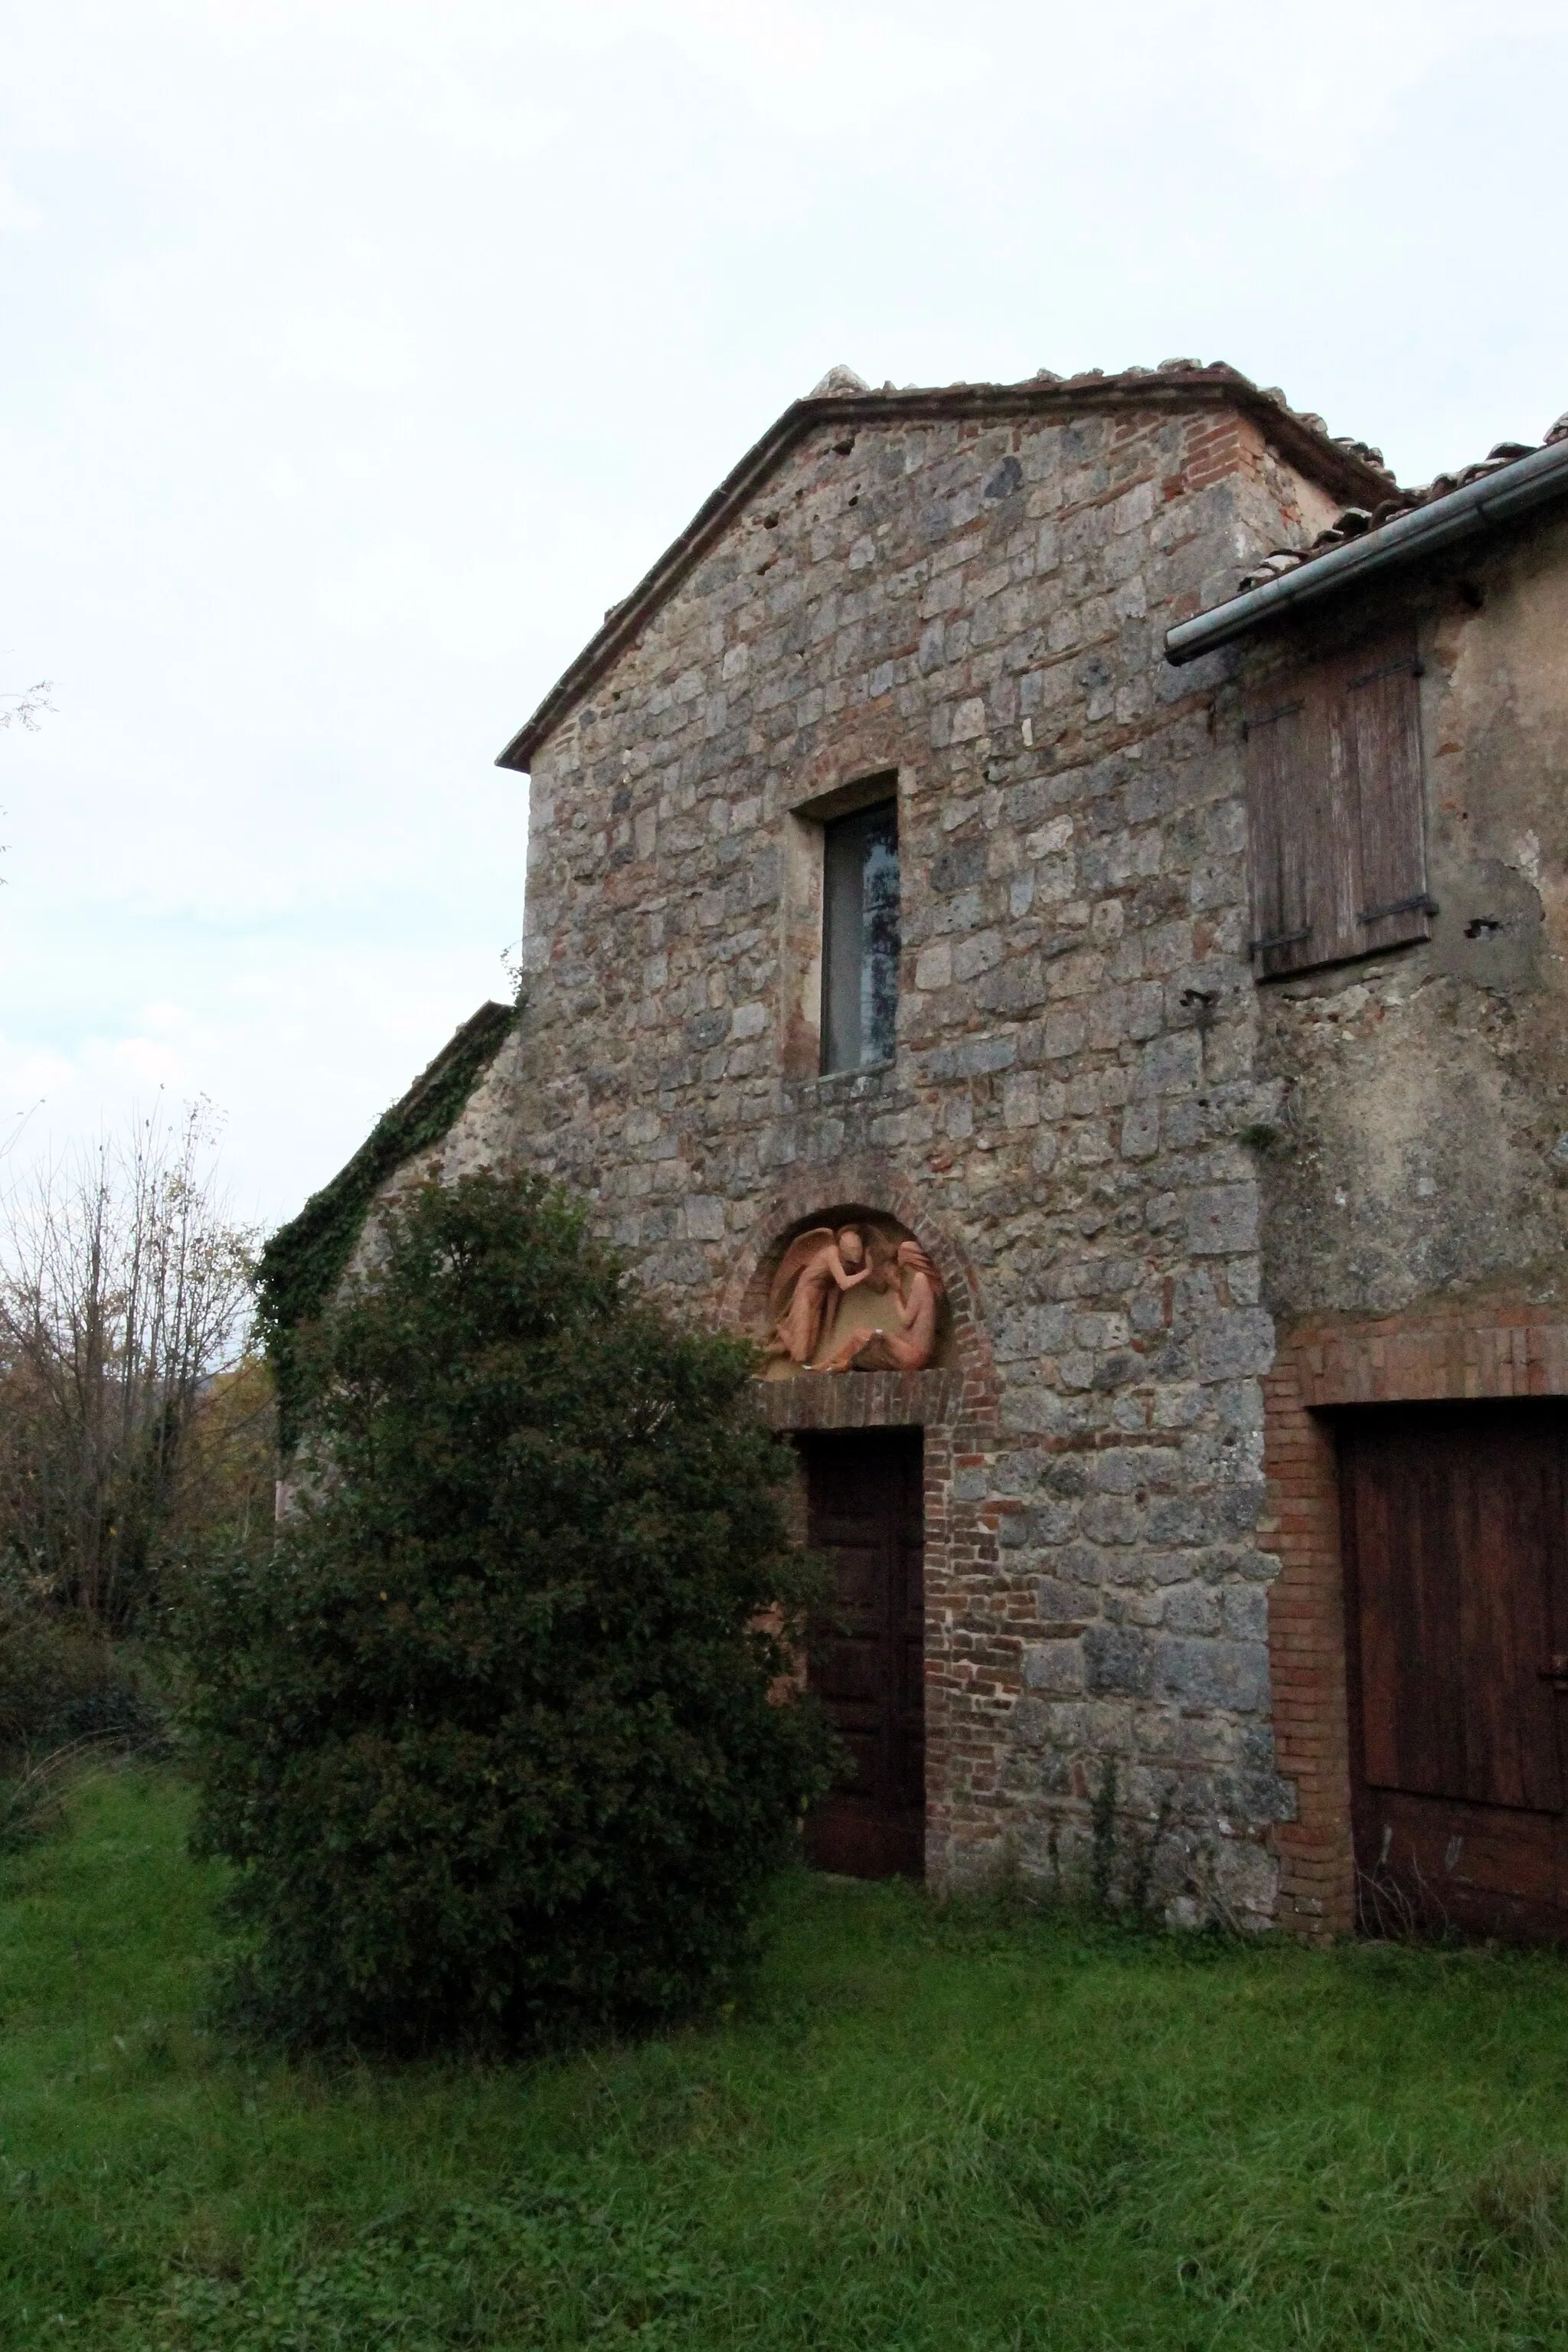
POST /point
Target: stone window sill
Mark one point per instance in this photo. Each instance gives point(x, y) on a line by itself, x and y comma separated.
point(837, 1089)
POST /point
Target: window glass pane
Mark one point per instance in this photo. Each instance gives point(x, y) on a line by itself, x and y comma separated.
point(879, 938)
point(860, 938)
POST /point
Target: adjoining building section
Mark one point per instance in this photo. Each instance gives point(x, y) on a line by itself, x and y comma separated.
point(1046, 906)
point(1401, 691)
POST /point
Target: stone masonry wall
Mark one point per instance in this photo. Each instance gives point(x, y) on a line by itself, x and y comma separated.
point(980, 608)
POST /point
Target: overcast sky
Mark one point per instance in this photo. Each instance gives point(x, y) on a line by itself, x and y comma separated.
point(357, 356)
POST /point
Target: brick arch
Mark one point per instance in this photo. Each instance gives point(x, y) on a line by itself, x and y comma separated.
point(878, 743)
point(835, 1193)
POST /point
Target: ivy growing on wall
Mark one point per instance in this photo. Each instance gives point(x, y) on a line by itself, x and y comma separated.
point(302, 1263)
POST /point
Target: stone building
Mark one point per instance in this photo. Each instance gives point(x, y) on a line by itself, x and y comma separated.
point(889, 876)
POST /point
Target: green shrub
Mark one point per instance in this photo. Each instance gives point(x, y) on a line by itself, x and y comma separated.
point(61, 1680)
point(491, 1730)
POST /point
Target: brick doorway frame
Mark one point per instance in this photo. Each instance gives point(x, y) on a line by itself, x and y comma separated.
point(1443, 1353)
point(973, 1661)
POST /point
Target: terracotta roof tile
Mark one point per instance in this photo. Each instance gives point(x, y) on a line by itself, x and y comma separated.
point(1355, 523)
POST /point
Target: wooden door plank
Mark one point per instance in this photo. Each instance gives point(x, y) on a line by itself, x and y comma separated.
point(866, 1661)
point(1456, 1560)
point(1510, 1746)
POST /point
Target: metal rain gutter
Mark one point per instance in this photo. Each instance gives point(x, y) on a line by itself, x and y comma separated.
point(1497, 497)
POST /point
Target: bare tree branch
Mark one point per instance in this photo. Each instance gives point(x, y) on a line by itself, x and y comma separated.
point(26, 708)
point(124, 1293)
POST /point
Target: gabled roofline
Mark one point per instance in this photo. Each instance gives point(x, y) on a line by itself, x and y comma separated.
point(1495, 499)
point(1334, 467)
point(304, 1262)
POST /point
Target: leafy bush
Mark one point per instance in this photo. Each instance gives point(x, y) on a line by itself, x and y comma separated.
point(494, 1728)
point(61, 1681)
point(66, 1693)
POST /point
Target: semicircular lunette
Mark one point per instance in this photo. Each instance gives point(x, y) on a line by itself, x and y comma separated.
point(853, 1290)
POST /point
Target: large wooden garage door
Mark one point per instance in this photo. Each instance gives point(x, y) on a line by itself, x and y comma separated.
point(866, 1659)
point(1456, 1521)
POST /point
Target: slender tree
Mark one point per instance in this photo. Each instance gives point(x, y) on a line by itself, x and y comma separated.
point(124, 1292)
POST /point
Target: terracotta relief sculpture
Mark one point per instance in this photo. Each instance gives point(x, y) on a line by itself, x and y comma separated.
point(814, 1270)
point(916, 1289)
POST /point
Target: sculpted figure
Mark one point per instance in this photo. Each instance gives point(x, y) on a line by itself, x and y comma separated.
point(814, 1270)
point(911, 1346)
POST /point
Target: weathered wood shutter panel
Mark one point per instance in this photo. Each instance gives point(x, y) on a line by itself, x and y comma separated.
point(1282, 828)
point(1383, 730)
point(1335, 813)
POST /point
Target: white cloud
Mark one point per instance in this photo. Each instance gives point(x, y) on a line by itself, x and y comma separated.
point(360, 351)
point(17, 218)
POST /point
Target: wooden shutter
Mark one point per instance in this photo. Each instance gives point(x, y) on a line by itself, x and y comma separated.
point(1282, 828)
point(1381, 725)
point(1335, 813)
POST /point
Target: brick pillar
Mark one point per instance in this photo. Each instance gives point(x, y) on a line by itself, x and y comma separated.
point(1307, 1654)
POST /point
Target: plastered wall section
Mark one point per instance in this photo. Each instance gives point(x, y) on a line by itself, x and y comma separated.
point(979, 612)
point(1413, 1192)
point(1421, 1096)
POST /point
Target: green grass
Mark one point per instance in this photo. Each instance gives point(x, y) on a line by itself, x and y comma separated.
point(922, 2128)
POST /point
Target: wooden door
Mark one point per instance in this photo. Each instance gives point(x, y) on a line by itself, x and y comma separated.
point(1455, 1526)
point(865, 1657)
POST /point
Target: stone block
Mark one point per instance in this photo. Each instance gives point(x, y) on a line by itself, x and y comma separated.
point(1246, 1612)
point(1171, 1065)
point(1140, 1130)
point(1058, 1603)
point(979, 1056)
point(1217, 1673)
point(1118, 1661)
point(977, 954)
point(1222, 1220)
point(1192, 1609)
point(1230, 1346)
point(1021, 1099)
point(1056, 1668)
point(703, 1217)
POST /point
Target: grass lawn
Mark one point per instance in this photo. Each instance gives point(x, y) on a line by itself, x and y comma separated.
point(922, 2128)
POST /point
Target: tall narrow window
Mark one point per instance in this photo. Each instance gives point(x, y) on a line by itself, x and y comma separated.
point(860, 937)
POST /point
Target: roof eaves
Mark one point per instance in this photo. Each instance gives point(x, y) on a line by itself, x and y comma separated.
point(1331, 463)
point(1496, 498)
